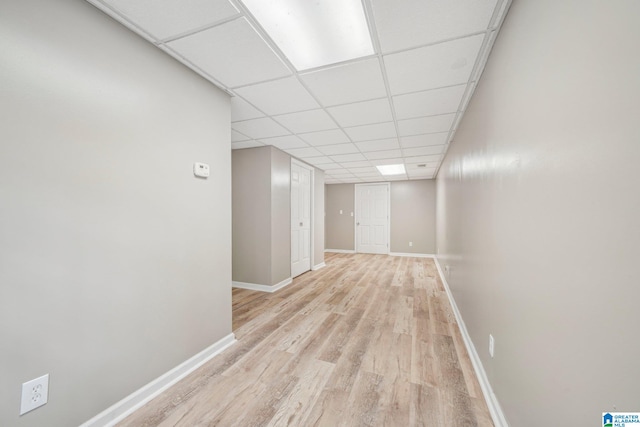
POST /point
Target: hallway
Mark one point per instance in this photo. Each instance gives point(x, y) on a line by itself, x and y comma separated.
point(367, 340)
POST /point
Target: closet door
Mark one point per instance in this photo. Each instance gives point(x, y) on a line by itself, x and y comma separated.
point(300, 219)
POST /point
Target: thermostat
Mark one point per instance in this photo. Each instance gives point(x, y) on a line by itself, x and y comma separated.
point(201, 170)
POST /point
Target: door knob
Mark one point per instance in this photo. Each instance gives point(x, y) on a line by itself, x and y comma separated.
point(357, 223)
point(300, 224)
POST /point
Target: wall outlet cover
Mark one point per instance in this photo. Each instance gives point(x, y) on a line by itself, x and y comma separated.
point(35, 393)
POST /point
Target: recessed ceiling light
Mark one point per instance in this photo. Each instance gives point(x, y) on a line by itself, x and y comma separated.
point(391, 169)
point(315, 33)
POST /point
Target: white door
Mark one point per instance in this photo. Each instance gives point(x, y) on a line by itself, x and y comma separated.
point(300, 219)
point(372, 218)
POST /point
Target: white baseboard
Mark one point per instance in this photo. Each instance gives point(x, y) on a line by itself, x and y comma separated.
point(122, 409)
point(412, 255)
point(341, 251)
point(489, 396)
point(318, 266)
point(262, 288)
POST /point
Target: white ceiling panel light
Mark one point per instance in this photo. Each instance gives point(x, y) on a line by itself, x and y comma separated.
point(391, 169)
point(230, 52)
point(314, 34)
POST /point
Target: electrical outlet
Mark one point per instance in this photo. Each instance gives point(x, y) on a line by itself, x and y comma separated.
point(492, 344)
point(35, 393)
point(410, 244)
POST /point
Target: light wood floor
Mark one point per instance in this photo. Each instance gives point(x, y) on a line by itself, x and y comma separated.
point(369, 340)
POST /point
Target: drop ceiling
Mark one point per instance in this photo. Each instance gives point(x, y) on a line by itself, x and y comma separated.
point(401, 104)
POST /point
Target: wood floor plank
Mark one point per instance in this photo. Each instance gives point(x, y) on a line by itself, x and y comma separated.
point(367, 340)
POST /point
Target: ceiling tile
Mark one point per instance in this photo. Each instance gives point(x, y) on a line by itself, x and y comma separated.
point(364, 170)
point(389, 161)
point(304, 152)
point(246, 144)
point(430, 67)
point(242, 110)
point(371, 132)
point(325, 137)
point(423, 159)
point(330, 150)
point(348, 157)
point(230, 52)
point(357, 81)
point(402, 177)
point(420, 22)
point(237, 136)
point(319, 161)
point(166, 18)
point(423, 140)
point(360, 164)
point(260, 128)
point(377, 145)
point(429, 102)
point(330, 166)
point(387, 154)
point(362, 113)
point(412, 167)
point(424, 151)
point(432, 124)
point(368, 175)
point(285, 142)
point(279, 96)
point(307, 121)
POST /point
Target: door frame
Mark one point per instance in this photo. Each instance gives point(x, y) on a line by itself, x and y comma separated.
point(355, 213)
point(311, 210)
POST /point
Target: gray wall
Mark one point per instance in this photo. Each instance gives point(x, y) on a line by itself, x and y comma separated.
point(339, 228)
point(318, 220)
point(262, 215)
point(413, 216)
point(538, 208)
point(280, 216)
point(114, 258)
point(252, 229)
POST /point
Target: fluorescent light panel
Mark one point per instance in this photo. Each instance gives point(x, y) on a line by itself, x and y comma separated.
point(391, 169)
point(315, 33)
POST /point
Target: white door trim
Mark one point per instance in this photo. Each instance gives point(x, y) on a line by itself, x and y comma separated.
point(312, 207)
point(355, 213)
